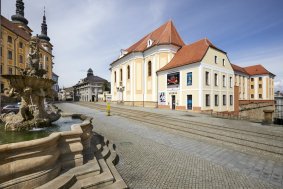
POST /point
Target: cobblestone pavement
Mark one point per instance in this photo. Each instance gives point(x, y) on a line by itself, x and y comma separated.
point(156, 158)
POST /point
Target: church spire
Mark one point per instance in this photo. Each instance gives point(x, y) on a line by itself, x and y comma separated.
point(43, 34)
point(19, 17)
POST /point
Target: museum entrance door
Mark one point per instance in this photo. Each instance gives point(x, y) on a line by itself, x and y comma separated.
point(173, 102)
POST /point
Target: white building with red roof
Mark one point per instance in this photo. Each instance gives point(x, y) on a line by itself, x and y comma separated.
point(133, 74)
point(161, 71)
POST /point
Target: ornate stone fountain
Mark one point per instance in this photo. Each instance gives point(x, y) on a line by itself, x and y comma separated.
point(32, 87)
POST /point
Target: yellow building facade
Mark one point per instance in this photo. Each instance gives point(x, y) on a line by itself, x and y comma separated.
point(15, 36)
point(254, 82)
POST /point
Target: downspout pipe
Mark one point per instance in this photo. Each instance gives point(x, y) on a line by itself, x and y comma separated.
point(15, 56)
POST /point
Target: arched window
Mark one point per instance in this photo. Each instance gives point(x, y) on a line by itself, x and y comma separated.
point(128, 70)
point(121, 75)
point(115, 76)
point(149, 68)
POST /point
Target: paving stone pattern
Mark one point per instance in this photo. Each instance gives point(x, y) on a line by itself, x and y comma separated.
point(156, 158)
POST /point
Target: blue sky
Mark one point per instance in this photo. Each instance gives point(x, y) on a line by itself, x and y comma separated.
point(90, 33)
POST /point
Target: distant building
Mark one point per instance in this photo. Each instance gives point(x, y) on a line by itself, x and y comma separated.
point(66, 94)
point(278, 117)
point(55, 78)
point(89, 88)
point(254, 82)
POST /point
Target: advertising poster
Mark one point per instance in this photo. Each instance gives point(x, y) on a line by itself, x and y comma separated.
point(173, 80)
point(162, 98)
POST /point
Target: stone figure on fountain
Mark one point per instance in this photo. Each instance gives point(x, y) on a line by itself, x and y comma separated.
point(32, 88)
point(34, 68)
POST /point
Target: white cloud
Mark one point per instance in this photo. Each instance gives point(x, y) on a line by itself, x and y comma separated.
point(278, 84)
point(90, 33)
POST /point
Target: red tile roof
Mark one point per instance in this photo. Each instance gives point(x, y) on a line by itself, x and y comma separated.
point(12, 27)
point(165, 34)
point(251, 70)
point(257, 70)
point(190, 54)
point(239, 69)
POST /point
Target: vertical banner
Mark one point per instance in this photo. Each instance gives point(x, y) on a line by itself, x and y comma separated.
point(161, 98)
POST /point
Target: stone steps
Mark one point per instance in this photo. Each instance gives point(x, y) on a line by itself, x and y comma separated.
point(99, 172)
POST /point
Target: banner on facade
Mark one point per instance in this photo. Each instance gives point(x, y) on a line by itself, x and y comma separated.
point(161, 98)
point(173, 80)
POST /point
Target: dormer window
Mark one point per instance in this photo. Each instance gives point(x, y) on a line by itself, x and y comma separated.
point(123, 52)
point(149, 42)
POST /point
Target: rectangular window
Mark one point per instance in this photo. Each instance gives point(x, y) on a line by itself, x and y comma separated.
point(21, 59)
point(21, 45)
point(223, 62)
point(215, 59)
point(128, 70)
point(260, 96)
point(252, 95)
point(207, 78)
point(207, 100)
point(260, 86)
point(224, 100)
point(231, 100)
point(260, 78)
point(252, 79)
point(215, 79)
point(10, 55)
point(224, 81)
point(1, 70)
point(189, 78)
point(10, 71)
point(115, 76)
point(231, 82)
point(252, 86)
point(10, 40)
point(216, 100)
point(149, 68)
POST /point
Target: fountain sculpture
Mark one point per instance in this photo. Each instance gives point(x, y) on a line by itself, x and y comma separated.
point(32, 87)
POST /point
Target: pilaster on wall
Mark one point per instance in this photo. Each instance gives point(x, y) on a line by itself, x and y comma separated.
point(236, 99)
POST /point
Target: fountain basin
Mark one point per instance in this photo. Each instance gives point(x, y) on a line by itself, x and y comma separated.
point(63, 124)
point(21, 82)
point(32, 163)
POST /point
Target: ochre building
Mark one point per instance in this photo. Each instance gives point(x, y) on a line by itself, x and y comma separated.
point(254, 82)
point(15, 36)
point(160, 70)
